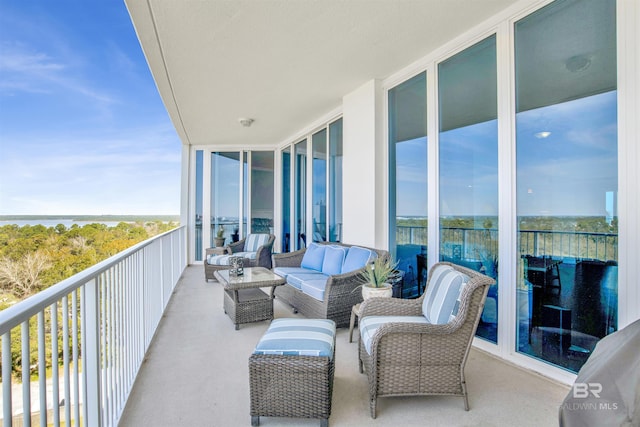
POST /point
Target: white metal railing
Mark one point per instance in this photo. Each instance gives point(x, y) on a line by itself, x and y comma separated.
point(85, 338)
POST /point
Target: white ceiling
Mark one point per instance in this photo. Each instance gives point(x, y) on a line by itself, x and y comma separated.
point(284, 63)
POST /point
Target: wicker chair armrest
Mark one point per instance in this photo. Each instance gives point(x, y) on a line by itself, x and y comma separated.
point(391, 307)
point(288, 259)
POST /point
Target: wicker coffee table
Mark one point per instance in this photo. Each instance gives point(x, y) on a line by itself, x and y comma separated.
point(244, 301)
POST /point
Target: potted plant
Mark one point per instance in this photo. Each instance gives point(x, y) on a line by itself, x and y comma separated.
point(376, 278)
point(219, 239)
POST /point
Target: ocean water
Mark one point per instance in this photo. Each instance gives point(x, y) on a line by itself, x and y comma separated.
point(53, 222)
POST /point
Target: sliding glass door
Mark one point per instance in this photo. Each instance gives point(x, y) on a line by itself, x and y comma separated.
point(468, 167)
point(567, 180)
point(408, 181)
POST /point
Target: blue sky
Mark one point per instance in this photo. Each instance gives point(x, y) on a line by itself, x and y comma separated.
point(82, 127)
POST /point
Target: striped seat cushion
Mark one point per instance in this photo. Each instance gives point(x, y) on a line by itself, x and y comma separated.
point(224, 259)
point(370, 324)
point(253, 242)
point(441, 298)
point(298, 337)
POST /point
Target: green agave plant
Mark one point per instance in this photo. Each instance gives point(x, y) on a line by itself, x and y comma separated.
point(379, 272)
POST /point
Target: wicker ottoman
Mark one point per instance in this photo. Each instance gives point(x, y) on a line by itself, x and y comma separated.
point(291, 370)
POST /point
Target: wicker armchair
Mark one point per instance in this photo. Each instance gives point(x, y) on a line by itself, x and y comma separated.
point(262, 256)
point(408, 359)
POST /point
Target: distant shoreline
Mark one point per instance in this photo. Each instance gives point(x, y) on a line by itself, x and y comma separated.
point(98, 218)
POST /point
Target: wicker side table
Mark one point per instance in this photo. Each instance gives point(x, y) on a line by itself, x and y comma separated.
point(247, 305)
point(243, 301)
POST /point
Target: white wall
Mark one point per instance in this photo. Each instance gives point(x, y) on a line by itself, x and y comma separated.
point(363, 166)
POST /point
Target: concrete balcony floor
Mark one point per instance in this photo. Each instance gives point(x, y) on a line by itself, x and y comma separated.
point(196, 374)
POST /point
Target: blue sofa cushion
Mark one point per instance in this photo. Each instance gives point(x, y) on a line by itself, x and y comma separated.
point(285, 271)
point(440, 302)
point(298, 337)
point(313, 257)
point(370, 324)
point(357, 258)
point(299, 278)
point(333, 259)
point(314, 288)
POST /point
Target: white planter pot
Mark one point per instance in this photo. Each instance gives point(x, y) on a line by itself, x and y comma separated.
point(371, 292)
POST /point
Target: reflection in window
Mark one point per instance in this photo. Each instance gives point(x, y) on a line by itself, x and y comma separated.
point(566, 159)
point(468, 159)
point(300, 171)
point(335, 181)
point(286, 199)
point(408, 181)
point(225, 195)
point(198, 218)
point(262, 192)
point(319, 185)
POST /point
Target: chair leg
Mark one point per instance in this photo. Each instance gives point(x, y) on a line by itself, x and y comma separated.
point(324, 422)
point(464, 395)
point(255, 421)
point(372, 407)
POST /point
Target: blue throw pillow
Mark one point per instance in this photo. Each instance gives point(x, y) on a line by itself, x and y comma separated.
point(333, 259)
point(357, 258)
point(313, 257)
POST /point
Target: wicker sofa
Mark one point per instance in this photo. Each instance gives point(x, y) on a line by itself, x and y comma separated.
point(335, 294)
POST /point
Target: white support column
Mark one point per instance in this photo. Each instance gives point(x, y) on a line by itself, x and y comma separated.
point(364, 195)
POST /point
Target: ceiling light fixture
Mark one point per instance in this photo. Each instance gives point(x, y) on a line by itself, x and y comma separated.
point(578, 63)
point(246, 122)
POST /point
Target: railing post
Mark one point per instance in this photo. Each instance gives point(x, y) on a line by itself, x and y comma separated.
point(92, 353)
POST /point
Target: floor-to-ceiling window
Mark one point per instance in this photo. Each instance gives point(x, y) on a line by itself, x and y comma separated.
point(468, 167)
point(262, 187)
point(566, 162)
point(335, 181)
point(300, 185)
point(286, 200)
point(319, 186)
point(225, 195)
point(198, 208)
point(408, 181)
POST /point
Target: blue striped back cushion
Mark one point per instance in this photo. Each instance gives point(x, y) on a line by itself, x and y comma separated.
point(298, 337)
point(442, 294)
point(254, 241)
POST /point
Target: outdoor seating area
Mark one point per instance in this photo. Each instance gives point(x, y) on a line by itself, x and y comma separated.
point(214, 379)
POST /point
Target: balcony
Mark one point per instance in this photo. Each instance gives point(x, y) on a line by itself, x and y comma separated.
point(142, 344)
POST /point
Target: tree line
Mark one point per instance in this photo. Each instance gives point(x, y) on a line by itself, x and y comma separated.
point(34, 257)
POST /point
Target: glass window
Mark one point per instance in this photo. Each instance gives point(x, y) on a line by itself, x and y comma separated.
point(199, 181)
point(319, 185)
point(335, 181)
point(245, 191)
point(566, 160)
point(225, 195)
point(468, 167)
point(408, 180)
point(286, 199)
point(262, 192)
point(300, 153)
